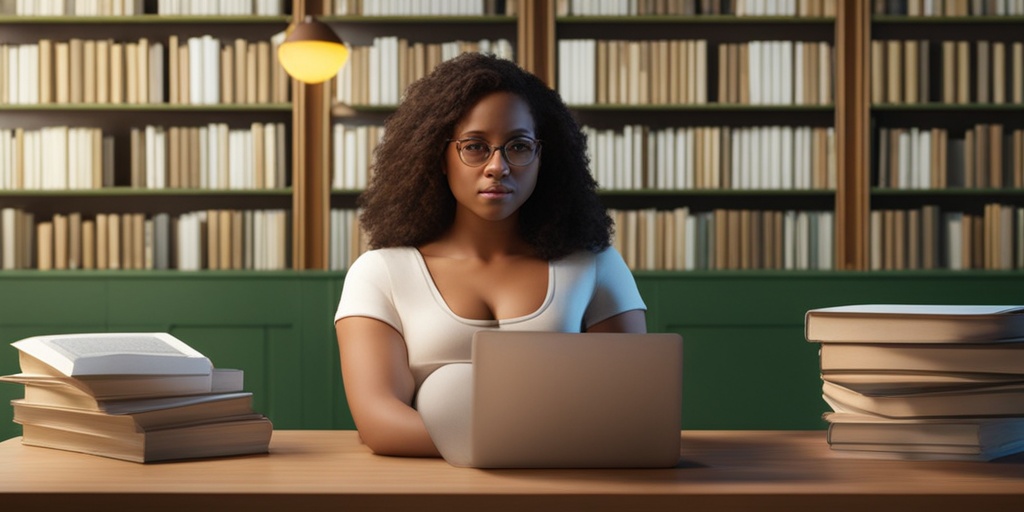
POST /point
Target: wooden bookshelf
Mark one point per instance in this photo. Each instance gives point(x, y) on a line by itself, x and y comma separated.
point(117, 116)
point(534, 31)
point(971, 71)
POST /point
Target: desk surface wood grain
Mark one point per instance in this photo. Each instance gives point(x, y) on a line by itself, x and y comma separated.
point(330, 470)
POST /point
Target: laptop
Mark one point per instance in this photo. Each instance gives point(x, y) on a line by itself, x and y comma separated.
point(558, 400)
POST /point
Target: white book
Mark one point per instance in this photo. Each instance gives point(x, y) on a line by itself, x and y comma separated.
point(774, 162)
point(787, 166)
point(8, 242)
point(786, 73)
point(375, 71)
point(13, 54)
point(30, 80)
point(195, 71)
point(351, 162)
point(76, 355)
point(156, 73)
point(149, 161)
point(211, 70)
point(799, 66)
point(270, 157)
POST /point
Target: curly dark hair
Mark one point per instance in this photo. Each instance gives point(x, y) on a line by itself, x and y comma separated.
point(408, 201)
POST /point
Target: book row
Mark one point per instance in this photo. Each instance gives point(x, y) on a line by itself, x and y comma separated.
point(987, 156)
point(640, 158)
point(378, 74)
point(949, 7)
point(724, 239)
point(800, 8)
point(56, 157)
point(748, 73)
point(188, 157)
point(929, 238)
point(220, 8)
point(421, 7)
point(353, 148)
point(347, 239)
point(196, 70)
point(676, 72)
point(677, 239)
point(209, 239)
point(951, 72)
point(724, 158)
point(139, 7)
point(210, 157)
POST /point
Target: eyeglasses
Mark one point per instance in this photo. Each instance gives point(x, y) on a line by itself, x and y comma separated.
point(519, 151)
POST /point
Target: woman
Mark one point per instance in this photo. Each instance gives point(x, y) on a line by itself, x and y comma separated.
point(483, 215)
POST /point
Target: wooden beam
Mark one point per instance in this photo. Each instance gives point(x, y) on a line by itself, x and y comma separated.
point(310, 166)
point(852, 104)
point(536, 38)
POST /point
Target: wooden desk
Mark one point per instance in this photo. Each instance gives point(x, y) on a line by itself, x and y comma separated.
point(330, 470)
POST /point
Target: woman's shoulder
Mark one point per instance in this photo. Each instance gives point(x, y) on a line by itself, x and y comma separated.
point(385, 258)
point(586, 257)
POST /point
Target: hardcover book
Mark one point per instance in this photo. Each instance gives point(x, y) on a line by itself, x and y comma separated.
point(900, 323)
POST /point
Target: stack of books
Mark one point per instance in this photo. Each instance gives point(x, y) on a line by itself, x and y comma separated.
point(922, 381)
point(141, 397)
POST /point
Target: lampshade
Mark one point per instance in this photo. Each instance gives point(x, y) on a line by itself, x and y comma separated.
point(312, 52)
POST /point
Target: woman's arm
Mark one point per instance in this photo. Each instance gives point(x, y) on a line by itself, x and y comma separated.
point(379, 387)
point(634, 321)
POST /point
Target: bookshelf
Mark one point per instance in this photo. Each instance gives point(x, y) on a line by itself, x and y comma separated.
point(125, 120)
point(948, 148)
point(690, 136)
point(838, 117)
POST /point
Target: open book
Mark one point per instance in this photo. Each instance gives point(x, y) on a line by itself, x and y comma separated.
point(79, 355)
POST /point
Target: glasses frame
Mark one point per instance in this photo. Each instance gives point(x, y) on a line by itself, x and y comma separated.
point(490, 150)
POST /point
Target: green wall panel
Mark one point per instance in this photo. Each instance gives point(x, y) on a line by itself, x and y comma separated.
point(746, 364)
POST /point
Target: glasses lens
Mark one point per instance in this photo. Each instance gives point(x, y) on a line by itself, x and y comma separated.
point(474, 152)
point(520, 151)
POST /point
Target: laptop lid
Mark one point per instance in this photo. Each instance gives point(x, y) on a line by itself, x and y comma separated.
point(546, 400)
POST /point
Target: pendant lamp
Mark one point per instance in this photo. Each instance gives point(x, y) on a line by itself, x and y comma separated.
point(312, 52)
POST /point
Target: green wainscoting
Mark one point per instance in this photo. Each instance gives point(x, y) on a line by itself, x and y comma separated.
point(746, 364)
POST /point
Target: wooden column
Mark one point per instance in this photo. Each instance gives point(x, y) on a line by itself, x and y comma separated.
point(310, 173)
point(536, 38)
point(852, 42)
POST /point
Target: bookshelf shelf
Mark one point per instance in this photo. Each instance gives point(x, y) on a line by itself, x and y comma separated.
point(1008, 108)
point(421, 20)
point(703, 19)
point(150, 107)
point(947, 20)
point(144, 192)
point(146, 19)
point(708, 107)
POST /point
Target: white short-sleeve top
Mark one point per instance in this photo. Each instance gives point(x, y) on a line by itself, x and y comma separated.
point(394, 286)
